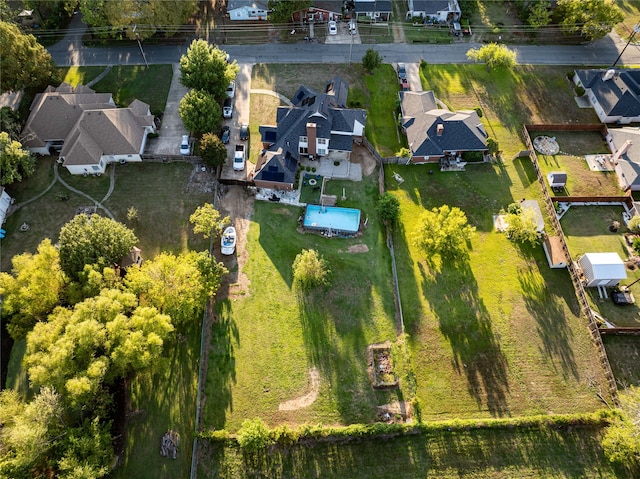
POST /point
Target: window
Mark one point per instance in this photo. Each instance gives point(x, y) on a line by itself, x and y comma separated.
point(303, 139)
point(303, 150)
point(95, 167)
point(322, 141)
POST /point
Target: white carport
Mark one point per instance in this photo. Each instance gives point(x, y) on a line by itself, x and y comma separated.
point(602, 269)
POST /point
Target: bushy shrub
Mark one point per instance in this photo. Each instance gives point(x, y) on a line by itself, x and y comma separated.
point(478, 110)
point(634, 224)
point(254, 435)
point(579, 91)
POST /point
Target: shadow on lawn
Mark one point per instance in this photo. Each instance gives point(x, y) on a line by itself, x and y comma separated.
point(464, 321)
point(574, 452)
point(221, 371)
point(553, 328)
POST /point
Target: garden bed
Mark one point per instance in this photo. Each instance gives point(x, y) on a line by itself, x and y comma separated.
point(381, 366)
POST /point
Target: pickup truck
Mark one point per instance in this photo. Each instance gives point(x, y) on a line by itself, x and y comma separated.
point(239, 157)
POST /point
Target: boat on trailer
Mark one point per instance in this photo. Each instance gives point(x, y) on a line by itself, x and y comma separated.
point(228, 240)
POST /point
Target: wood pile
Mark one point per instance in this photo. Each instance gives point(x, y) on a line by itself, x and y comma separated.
point(169, 446)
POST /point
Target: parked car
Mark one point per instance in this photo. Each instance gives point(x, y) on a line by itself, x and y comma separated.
point(225, 135)
point(456, 29)
point(227, 109)
point(333, 28)
point(244, 132)
point(404, 84)
point(352, 28)
point(185, 148)
point(402, 71)
point(239, 157)
point(231, 89)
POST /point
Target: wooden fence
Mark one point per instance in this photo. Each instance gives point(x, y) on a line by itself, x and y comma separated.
point(620, 331)
point(574, 272)
point(568, 127)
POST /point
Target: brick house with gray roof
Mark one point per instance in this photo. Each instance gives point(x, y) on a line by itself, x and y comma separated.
point(317, 126)
point(434, 133)
point(613, 93)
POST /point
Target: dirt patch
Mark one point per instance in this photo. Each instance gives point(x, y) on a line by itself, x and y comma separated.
point(306, 400)
point(364, 158)
point(358, 248)
point(235, 202)
point(398, 411)
point(201, 180)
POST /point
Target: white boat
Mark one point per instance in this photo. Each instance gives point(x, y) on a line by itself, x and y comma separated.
point(228, 240)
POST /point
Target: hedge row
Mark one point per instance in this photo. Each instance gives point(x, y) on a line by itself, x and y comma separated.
point(254, 434)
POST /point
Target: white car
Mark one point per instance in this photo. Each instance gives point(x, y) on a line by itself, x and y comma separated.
point(333, 28)
point(185, 149)
point(352, 28)
point(231, 89)
point(227, 109)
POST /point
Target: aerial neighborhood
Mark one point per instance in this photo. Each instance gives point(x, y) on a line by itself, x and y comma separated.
point(344, 238)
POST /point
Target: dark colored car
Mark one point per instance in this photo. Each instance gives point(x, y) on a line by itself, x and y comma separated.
point(244, 132)
point(226, 134)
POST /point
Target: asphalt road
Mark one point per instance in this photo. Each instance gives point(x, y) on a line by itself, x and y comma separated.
point(602, 52)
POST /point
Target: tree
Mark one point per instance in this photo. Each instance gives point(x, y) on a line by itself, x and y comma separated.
point(32, 289)
point(200, 112)
point(204, 67)
point(10, 122)
point(148, 17)
point(591, 19)
point(81, 351)
point(493, 147)
point(24, 63)
point(207, 220)
point(310, 269)
point(212, 150)
point(176, 285)
point(494, 55)
point(371, 60)
point(281, 11)
point(521, 225)
point(634, 224)
point(621, 441)
point(388, 208)
point(539, 14)
point(16, 163)
point(445, 231)
point(93, 240)
point(254, 435)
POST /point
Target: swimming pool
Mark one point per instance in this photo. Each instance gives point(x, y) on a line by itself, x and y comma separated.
point(332, 219)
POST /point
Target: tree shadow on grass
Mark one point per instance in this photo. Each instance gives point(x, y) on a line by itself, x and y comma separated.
point(553, 328)
point(221, 371)
point(464, 321)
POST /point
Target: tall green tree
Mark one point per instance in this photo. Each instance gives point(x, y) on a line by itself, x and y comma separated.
point(310, 269)
point(24, 63)
point(591, 19)
point(493, 55)
point(10, 122)
point(82, 350)
point(388, 208)
point(539, 14)
point(522, 226)
point(204, 67)
point(177, 285)
point(208, 221)
point(621, 441)
point(93, 240)
point(141, 19)
point(32, 289)
point(16, 163)
point(212, 150)
point(444, 231)
point(371, 60)
point(281, 11)
point(200, 112)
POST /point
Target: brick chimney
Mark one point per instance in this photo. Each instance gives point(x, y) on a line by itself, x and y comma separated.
point(311, 139)
point(440, 129)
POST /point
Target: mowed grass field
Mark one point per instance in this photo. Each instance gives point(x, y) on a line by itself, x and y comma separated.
point(498, 334)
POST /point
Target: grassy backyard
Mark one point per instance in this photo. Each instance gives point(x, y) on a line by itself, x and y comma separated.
point(270, 337)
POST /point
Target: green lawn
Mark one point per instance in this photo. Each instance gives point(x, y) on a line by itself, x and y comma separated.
point(268, 337)
point(491, 454)
point(499, 334)
point(128, 83)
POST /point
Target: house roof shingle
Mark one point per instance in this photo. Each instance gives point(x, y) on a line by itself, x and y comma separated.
point(373, 6)
point(619, 95)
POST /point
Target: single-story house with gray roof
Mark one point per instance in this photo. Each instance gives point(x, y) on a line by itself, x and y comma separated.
point(613, 93)
point(87, 128)
point(318, 125)
point(247, 9)
point(376, 10)
point(435, 133)
point(445, 11)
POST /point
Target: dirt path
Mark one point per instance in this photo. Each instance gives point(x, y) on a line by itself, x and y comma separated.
point(306, 400)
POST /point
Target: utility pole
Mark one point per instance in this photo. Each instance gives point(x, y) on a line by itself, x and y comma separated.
point(636, 29)
point(144, 57)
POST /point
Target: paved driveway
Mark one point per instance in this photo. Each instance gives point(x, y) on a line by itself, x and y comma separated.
point(172, 129)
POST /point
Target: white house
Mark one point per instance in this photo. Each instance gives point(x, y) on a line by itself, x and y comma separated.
point(445, 11)
point(86, 128)
point(5, 203)
point(613, 94)
point(247, 10)
point(602, 269)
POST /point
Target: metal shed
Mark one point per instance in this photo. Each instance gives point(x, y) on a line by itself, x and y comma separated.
point(602, 269)
point(557, 179)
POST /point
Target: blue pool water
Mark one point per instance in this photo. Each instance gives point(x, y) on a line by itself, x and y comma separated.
point(338, 220)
